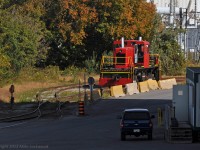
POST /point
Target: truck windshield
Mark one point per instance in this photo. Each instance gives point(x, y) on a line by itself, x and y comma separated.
point(136, 116)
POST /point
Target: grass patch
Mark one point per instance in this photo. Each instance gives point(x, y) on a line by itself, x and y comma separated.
point(69, 93)
point(28, 96)
point(73, 95)
point(106, 94)
point(50, 73)
point(30, 80)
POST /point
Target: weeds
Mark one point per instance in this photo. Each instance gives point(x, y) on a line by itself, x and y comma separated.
point(30, 80)
point(28, 96)
point(41, 75)
point(73, 73)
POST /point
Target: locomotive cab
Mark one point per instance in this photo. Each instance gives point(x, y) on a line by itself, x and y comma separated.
point(123, 57)
point(141, 54)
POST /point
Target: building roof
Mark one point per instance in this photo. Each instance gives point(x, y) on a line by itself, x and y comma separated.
point(194, 69)
point(192, 74)
point(137, 110)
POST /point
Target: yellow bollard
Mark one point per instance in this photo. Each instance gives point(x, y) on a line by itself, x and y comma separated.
point(160, 117)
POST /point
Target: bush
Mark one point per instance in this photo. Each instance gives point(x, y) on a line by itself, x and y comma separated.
point(35, 74)
point(74, 72)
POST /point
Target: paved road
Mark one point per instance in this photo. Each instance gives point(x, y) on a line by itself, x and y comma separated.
point(156, 94)
point(98, 130)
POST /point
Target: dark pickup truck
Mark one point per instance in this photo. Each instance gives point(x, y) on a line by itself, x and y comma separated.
point(136, 122)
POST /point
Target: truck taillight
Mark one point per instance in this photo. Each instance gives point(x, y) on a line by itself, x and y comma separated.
point(121, 124)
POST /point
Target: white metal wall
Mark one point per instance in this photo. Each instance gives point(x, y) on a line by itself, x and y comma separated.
point(162, 3)
point(179, 3)
point(180, 102)
point(198, 103)
point(194, 121)
point(191, 99)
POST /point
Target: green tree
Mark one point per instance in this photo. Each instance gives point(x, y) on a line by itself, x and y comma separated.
point(171, 55)
point(22, 37)
point(116, 19)
point(82, 28)
point(4, 65)
point(68, 23)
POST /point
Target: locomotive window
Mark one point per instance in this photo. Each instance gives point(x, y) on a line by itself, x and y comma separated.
point(133, 43)
point(140, 54)
point(136, 48)
point(125, 44)
point(120, 59)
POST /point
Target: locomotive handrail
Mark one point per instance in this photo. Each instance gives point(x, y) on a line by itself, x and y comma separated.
point(111, 62)
point(156, 60)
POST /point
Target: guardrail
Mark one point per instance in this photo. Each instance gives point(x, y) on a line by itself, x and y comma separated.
point(24, 116)
point(46, 107)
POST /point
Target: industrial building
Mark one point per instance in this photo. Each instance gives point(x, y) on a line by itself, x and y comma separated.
point(183, 14)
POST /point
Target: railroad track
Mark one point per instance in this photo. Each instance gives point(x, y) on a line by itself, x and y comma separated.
point(51, 103)
point(42, 111)
point(28, 115)
point(46, 105)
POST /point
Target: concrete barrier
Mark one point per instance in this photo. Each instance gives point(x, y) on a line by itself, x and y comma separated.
point(153, 84)
point(132, 88)
point(167, 84)
point(117, 91)
point(163, 84)
point(173, 81)
point(143, 86)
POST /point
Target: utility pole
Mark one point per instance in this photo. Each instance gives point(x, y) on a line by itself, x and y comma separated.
point(171, 15)
point(195, 14)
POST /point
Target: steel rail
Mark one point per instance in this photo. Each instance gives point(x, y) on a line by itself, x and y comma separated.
point(38, 110)
point(24, 116)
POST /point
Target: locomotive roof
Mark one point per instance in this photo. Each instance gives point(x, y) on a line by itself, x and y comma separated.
point(132, 41)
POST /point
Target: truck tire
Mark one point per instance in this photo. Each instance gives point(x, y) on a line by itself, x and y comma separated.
point(150, 136)
point(156, 75)
point(194, 136)
point(123, 137)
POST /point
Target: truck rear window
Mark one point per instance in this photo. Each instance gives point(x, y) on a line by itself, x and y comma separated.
point(136, 116)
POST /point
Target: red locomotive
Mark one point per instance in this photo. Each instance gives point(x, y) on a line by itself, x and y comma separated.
point(131, 61)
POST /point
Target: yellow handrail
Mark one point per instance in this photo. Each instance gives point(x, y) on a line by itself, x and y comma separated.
point(110, 60)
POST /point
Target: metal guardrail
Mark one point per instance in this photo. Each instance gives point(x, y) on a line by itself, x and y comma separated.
point(40, 111)
point(24, 116)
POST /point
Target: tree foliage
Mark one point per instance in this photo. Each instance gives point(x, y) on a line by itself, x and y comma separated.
point(83, 27)
point(171, 56)
point(71, 32)
point(22, 37)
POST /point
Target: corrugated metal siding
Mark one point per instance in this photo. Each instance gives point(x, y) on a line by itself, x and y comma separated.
point(162, 3)
point(179, 3)
point(183, 3)
point(192, 37)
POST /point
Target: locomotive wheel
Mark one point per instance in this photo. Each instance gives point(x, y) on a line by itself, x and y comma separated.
point(149, 76)
point(156, 75)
